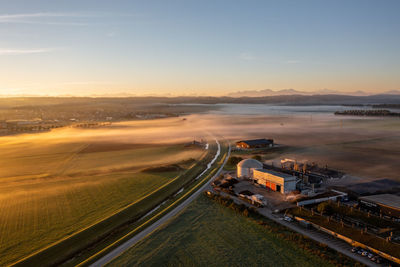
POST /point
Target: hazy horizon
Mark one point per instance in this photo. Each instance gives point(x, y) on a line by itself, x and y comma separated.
point(234, 94)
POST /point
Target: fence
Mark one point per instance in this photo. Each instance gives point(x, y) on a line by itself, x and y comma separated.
point(351, 241)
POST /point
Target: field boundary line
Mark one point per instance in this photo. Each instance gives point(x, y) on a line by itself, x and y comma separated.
point(93, 224)
point(155, 217)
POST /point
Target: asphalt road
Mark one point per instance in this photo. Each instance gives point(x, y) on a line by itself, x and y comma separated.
point(134, 240)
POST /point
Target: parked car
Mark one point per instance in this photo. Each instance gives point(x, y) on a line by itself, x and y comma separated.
point(355, 249)
point(370, 255)
point(364, 253)
point(288, 219)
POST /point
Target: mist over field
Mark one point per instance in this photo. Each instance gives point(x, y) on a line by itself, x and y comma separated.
point(62, 180)
point(58, 182)
point(362, 146)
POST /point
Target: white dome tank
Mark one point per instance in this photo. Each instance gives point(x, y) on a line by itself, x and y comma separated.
point(245, 168)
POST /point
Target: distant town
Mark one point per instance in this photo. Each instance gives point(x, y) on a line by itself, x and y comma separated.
point(373, 113)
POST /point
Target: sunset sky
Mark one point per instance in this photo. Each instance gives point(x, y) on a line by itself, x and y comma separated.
point(204, 47)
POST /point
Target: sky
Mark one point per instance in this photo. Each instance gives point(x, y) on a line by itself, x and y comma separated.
point(203, 47)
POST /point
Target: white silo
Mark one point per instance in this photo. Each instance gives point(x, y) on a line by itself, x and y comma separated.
point(245, 168)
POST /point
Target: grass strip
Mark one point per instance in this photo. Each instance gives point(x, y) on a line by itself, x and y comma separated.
point(156, 216)
point(69, 246)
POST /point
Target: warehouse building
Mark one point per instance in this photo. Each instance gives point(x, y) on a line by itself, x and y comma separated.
point(276, 181)
point(256, 143)
point(246, 167)
point(385, 204)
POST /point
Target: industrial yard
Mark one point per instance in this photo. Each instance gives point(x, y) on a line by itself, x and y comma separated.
point(304, 193)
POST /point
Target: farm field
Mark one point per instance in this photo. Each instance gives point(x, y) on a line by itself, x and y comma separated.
point(54, 184)
point(366, 148)
point(208, 234)
point(52, 187)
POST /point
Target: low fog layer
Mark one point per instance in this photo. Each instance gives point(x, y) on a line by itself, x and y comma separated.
point(362, 146)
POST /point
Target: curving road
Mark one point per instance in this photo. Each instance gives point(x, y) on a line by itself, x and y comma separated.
point(131, 242)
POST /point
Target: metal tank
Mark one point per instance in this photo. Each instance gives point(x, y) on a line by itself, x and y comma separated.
point(245, 168)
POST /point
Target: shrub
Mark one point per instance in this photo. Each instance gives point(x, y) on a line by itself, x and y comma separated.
point(234, 160)
point(324, 207)
point(246, 213)
point(257, 157)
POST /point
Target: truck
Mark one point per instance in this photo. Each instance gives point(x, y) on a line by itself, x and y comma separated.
point(258, 200)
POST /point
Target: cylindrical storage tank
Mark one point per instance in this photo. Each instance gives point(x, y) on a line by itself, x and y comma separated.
point(245, 168)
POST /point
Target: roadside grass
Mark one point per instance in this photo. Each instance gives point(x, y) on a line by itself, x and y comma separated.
point(46, 194)
point(209, 234)
point(46, 218)
point(88, 256)
point(111, 226)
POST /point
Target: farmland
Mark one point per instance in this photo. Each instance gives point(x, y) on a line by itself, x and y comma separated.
point(361, 147)
point(208, 234)
point(55, 184)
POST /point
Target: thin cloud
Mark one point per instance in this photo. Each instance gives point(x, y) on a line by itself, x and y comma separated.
point(7, 52)
point(42, 18)
point(52, 23)
point(10, 17)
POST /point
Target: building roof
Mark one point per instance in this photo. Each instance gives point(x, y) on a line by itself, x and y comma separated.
point(278, 174)
point(389, 200)
point(255, 142)
point(250, 163)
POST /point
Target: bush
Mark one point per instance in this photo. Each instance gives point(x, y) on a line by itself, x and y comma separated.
point(325, 208)
point(257, 157)
point(234, 160)
point(167, 168)
point(246, 213)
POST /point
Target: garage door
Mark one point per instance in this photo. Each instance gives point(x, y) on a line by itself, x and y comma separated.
point(273, 186)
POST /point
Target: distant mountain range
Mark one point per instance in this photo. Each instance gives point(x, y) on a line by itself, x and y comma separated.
point(238, 94)
point(293, 99)
point(269, 92)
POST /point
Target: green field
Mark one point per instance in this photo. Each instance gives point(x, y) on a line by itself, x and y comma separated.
point(53, 187)
point(208, 234)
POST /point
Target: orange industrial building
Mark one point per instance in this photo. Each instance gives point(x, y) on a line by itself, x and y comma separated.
point(275, 181)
